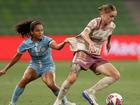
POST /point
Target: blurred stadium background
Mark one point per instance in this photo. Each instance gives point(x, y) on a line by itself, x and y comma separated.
point(69, 17)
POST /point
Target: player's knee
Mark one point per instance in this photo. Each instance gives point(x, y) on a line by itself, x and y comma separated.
point(23, 83)
point(51, 85)
point(116, 76)
point(75, 69)
point(71, 81)
point(72, 78)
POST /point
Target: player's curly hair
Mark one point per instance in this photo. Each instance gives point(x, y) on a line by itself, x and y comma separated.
point(24, 28)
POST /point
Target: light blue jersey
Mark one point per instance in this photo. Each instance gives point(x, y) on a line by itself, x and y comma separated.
point(40, 53)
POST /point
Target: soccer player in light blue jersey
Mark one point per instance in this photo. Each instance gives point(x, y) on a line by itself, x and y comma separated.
point(41, 65)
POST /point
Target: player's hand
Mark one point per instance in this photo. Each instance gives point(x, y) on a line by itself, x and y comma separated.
point(2, 72)
point(92, 48)
point(67, 40)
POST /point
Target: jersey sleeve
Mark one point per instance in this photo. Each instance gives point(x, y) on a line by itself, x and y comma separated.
point(112, 28)
point(22, 48)
point(48, 40)
point(92, 24)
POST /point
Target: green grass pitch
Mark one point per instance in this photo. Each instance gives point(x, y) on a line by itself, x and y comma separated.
point(37, 93)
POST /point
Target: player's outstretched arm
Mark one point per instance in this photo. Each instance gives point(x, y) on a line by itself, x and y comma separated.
point(59, 46)
point(10, 64)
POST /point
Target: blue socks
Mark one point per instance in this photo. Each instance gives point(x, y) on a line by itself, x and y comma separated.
point(64, 100)
point(17, 92)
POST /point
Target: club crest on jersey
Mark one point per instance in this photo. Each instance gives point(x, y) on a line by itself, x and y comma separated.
point(43, 49)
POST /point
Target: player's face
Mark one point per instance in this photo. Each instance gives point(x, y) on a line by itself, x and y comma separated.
point(109, 17)
point(37, 32)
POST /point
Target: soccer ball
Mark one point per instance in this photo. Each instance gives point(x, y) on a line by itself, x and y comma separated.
point(114, 99)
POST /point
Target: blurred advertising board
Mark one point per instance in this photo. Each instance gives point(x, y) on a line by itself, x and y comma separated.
point(123, 47)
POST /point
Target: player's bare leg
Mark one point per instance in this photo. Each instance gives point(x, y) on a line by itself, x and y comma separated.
point(111, 75)
point(28, 76)
point(68, 83)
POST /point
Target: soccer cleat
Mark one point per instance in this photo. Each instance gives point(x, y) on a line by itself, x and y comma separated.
point(11, 103)
point(70, 103)
point(90, 98)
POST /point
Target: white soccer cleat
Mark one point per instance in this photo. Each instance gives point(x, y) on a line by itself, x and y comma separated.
point(89, 97)
point(70, 103)
point(11, 103)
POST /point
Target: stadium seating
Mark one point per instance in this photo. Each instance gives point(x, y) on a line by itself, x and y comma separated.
point(61, 16)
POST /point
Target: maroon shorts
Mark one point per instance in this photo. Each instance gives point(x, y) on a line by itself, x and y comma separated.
point(88, 61)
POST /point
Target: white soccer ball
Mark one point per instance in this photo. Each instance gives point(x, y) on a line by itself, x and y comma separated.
point(114, 99)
